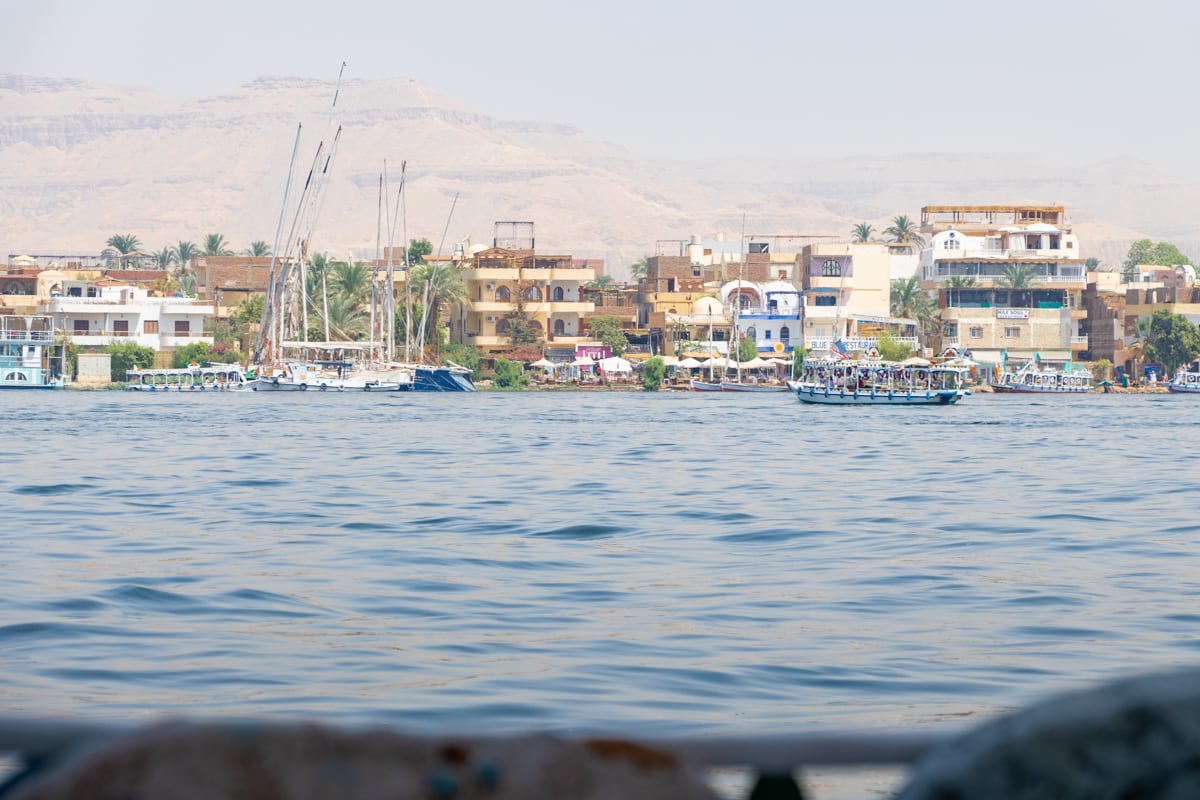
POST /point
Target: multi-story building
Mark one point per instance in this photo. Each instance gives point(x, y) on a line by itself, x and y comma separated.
point(111, 314)
point(510, 279)
point(1009, 279)
point(226, 281)
point(847, 296)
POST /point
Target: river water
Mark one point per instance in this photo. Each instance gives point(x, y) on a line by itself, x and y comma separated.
point(666, 564)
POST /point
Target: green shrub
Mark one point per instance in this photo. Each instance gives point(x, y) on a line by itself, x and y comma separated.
point(124, 356)
point(652, 374)
point(508, 374)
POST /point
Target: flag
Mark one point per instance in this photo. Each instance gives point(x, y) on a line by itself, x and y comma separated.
point(838, 350)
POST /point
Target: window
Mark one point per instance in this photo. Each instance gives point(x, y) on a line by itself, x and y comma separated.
point(558, 294)
point(183, 327)
point(976, 332)
point(952, 244)
point(767, 335)
point(79, 327)
point(825, 300)
point(533, 293)
point(150, 326)
point(751, 334)
point(695, 272)
point(1012, 333)
point(785, 335)
point(832, 268)
point(560, 327)
point(503, 295)
point(950, 330)
point(503, 327)
point(120, 327)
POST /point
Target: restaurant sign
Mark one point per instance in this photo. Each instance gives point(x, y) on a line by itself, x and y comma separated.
point(1012, 313)
point(596, 352)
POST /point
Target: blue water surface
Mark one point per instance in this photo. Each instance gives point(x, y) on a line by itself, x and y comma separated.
point(669, 563)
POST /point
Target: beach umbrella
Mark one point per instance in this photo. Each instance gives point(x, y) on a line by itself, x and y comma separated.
point(615, 364)
point(544, 363)
point(582, 361)
point(689, 363)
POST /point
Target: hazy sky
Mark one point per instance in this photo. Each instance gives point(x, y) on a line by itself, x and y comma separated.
point(1078, 80)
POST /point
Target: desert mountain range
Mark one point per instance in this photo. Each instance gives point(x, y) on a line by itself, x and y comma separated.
point(83, 161)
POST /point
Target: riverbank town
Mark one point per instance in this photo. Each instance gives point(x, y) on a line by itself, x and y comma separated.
point(1005, 285)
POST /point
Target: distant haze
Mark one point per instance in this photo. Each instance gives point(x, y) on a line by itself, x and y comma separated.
point(1075, 82)
point(84, 160)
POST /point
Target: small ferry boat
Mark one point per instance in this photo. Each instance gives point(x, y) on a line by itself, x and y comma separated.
point(29, 358)
point(1034, 378)
point(840, 381)
point(1186, 380)
point(193, 378)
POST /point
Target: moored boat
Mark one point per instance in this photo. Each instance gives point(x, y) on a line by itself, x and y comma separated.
point(1034, 378)
point(737, 386)
point(1186, 380)
point(29, 358)
point(212, 377)
point(698, 385)
point(840, 381)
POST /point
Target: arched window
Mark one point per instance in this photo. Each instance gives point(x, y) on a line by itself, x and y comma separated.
point(503, 327)
point(832, 268)
point(558, 294)
point(752, 334)
point(785, 335)
point(952, 244)
point(533, 293)
point(503, 295)
point(560, 327)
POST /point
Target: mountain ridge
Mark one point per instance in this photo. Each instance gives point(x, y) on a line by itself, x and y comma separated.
point(85, 161)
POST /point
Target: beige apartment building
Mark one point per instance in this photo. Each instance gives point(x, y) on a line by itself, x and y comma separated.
point(1009, 279)
point(846, 290)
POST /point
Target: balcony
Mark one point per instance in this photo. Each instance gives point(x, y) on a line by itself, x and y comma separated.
point(1079, 343)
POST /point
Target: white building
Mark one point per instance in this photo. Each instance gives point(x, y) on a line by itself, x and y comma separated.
point(103, 315)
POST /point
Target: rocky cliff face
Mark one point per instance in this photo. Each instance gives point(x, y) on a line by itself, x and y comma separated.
point(83, 161)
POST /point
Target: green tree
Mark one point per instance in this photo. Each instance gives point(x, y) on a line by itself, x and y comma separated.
point(184, 253)
point(904, 231)
point(351, 282)
point(258, 248)
point(798, 356)
point(639, 268)
point(607, 330)
point(249, 311)
point(124, 243)
point(508, 374)
point(862, 232)
point(417, 250)
point(652, 374)
point(464, 355)
point(747, 349)
point(910, 301)
point(1017, 276)
point(215, 245)
point(1144, 251)
point(890, 349)
point(438, 284)
point(164, 258)
point(1092, 264)
point(200, 353)
point(347, 320)
point(124, 356)
point(600, 282)
point(1173, 340)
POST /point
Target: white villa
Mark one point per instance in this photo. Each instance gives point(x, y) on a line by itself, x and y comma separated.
point(96, 316)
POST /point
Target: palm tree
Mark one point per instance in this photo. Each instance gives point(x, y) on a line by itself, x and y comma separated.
point(184, 253)
point(863, 232)
point(1017, 276)
point(959, 282)
point(347, 321)
point(438, 283)
point(351, 281)
point(639, 268)
point(904, 231)
point(259, 248)
point(910, 301)
point(164, 258)
point(124, 243)
point(214, 245)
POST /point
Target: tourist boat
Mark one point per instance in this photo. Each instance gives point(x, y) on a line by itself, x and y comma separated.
point(698, 385)
point(1186, 380)
point(1034, 378)
point(842, 381)
point(192, 378)
point(29, 358)
point(338, 367)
